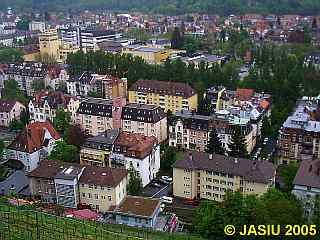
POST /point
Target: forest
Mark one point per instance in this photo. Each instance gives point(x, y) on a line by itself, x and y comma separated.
point(221, 7)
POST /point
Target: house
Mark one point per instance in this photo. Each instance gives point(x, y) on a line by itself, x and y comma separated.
point(33, 144)
point(149, 120)
point(10, 110)
point(171, 96)
point(45, 104)
point(306, 184)
point(100, 188)
point(201, 175)
point(137, 151)
point(97, 150)
point(137, 212)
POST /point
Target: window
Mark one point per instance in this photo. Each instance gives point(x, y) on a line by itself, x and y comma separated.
point(109, 198)
point(96, 196)
point(90, 186)
point(83, 195)
point(89, 195)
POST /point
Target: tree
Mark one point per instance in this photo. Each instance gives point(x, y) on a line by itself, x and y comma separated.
point(64, 152)
point(287, 174)
point(94, 94)
point(237, 145)
point(214, 145)
point(75, 136)
point(16, 125)
point(11, 55)
point(266, 128)
point(135, 182)
point(62, 120)
point(2, 149)
point(38, 85)
point(12, 91)
point(169, 156)
point(315, 217)
point(25, 117)
point(23, 24)
point(177, 39)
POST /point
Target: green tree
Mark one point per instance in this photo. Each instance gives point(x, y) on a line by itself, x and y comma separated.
point(94, 94)
point(64, 152)
point(2, 150)
point(62, 120)
point(16, 125)
point(38, 85)
point(23, 24)
point(238, 145)
point(75, 135)
point(177, 39)
point(134, 187)
point(315, 217)
point(25, 117)
point(12, 91)
point(11, 55)
point(169, 156)
point(266, 128)
point(287, 174)
point(214, 145)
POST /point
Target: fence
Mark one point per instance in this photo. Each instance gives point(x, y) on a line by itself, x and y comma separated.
point(33, 225)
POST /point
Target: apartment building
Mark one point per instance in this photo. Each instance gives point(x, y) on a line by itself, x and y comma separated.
point(25, 73)
point(10, 110)
point(171, 96)
point(149, 120)
point(103, 86)
point(100, 188)
point(45, 104)
point(56, 77)
point(151, 55)
point(200, 175)
point(137, 151)
point(49, 43)
point(71, 184)
point(97, 150)
point(299, 137)
point(306, 185)
point(91, 37)
point(33, 144)
point(191, 131)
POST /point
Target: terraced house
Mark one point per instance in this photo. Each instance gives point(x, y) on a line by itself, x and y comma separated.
point(205, 176)
point(171, 96)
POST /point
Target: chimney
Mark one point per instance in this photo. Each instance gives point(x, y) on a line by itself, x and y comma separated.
point(235, 160)
point(210, 156)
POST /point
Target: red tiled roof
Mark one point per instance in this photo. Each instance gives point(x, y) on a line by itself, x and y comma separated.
point(244, 94)
point(54, 98)
point(32, 139)
point(264, 104)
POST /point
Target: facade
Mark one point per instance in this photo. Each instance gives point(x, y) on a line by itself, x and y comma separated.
point(299, 137)
point(205, 176)
point(49, 43)
point(137, 212)
point(100, 188)
point(137, 151)
point(37, 26)
point(97, 150)
point(151, 55)
point(171, 96)
point(44, 105)
point(25, 74)
point(307, 184)
point(90, 38)
point(10, 110)
point(149, 120)
point(191, 131)
point(33, 144)
point(64, 50)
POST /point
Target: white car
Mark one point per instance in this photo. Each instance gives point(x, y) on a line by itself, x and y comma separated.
point(166, 178)
point(168, 200)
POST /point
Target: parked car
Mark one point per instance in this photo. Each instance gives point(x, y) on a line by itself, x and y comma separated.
point(154, 184)
point(165, 199)
point(166, 178)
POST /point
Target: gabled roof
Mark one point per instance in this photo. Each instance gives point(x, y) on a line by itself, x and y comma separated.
point(55, 99)
point(7, 105)
point(32, 137)
point(142, 113)
point(244, 94)
point(308, 174)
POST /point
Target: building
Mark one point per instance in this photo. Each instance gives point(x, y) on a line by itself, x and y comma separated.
point(152, 55)
point(90, 38)
point(49, 43)
point(306, 184)
point(33, 144)
point(149, 120)
point(101, 188)
point(64, 50)
point(313, 59)
point(137, 151)
point(10, 110)
point(97, 150)
point(191, 131)
point(299, 136)
point(37, 26)
point(103, 86)
point(137, 212)
point(45, 104)
point(200, 175)
point(67, 186)
point(171, 96)
point(25, 74)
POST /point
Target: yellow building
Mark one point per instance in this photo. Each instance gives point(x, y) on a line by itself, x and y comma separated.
point(102, 188)
point(151, 55)
point(205, 176)
point(49, 43)
point(171, 96)
point(64, 50)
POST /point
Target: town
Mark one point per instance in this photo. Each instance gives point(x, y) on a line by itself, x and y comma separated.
point(170, 123)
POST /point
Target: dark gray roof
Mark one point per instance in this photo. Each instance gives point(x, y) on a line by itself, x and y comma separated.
point(17, 182)
point(142, 113)
point(102, 141)
point(69, 173)
point(191, 120)
point(308, 174)
point(96, 107)
point(257, 171)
